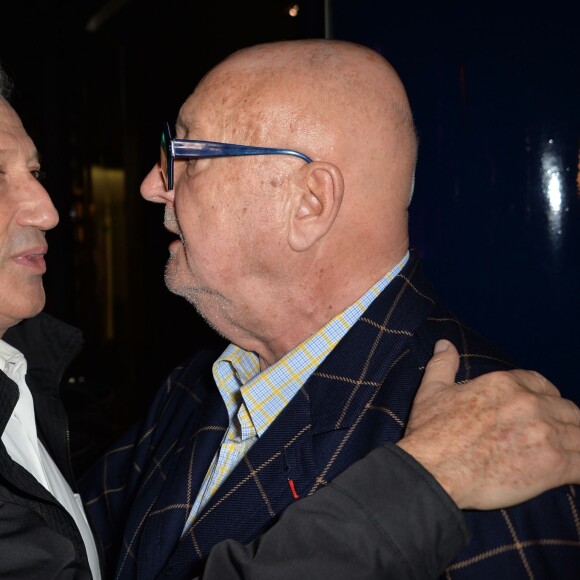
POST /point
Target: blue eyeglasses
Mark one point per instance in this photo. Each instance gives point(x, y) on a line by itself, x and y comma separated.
point(172, 149)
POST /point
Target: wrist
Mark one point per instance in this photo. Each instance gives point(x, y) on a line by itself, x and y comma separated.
point(440, 468)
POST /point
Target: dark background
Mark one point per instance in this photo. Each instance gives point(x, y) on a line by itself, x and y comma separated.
point(496, 215)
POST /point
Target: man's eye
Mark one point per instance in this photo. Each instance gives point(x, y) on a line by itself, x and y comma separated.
point(38, 174)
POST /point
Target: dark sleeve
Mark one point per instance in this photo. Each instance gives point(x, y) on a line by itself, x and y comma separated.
point(30, 550)
point(385, 517)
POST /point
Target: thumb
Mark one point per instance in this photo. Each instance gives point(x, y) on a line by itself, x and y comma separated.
point(443, 365)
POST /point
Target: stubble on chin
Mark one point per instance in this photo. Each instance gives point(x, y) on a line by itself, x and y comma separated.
point(211, 306)
point(172, 270)
point(191, 293)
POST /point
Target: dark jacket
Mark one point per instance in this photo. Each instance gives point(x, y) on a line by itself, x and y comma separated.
point(38, 537)
point(359, 397)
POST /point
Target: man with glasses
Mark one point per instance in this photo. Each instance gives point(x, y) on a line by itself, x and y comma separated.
point(43, 529)
point(287, 185)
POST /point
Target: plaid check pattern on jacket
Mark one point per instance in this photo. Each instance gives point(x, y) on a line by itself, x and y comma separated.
point(140, 494)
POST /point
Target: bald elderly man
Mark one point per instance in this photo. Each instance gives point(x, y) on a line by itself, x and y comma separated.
point(287, 183)
point(43, 529)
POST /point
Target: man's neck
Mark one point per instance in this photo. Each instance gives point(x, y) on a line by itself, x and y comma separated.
point(308, 316)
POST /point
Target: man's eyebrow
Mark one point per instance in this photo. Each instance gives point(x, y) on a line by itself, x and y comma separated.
point(187, 129)
point(180, 126)
point(34, 158)
point(5, 155)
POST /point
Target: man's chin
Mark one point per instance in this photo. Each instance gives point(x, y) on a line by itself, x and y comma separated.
point(13, 313)
point(34, 307)
point(174, 287)
point(207, 303)
point(191, 293)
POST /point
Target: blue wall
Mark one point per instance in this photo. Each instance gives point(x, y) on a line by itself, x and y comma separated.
point(496, 212)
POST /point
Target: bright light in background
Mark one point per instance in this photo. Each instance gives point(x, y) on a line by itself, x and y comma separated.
point(108, 186)
point(551, 177)
point(555, 193)
point(293, 10)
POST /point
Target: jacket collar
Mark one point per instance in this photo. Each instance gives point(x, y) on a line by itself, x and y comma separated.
point(48, 344)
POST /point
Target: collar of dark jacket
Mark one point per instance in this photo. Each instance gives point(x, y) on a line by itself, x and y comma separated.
point(48, 344)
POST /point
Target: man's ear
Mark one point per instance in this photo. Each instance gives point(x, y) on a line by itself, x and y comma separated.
point(319, 197)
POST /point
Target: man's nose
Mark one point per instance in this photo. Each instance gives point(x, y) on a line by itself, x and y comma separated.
point(153, 187)
point(36, 207)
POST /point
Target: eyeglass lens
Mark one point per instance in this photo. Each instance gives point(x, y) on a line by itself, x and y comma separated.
point(165, 162)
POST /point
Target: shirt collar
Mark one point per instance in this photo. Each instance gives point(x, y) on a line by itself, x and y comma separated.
point(265, 394)
point(12, 362)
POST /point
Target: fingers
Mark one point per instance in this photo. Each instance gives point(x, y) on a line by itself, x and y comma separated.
point(496, 441)
point(563, 410)
point(569, 438)
point(535, 390)
point(443, 365)
point(534, 381)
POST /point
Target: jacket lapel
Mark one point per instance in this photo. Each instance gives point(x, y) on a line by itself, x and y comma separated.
point(361, 395)
point(258, 489)
point(193, 447)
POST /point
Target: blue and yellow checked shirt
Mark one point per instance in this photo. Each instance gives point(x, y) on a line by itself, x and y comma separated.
point(254, 399)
